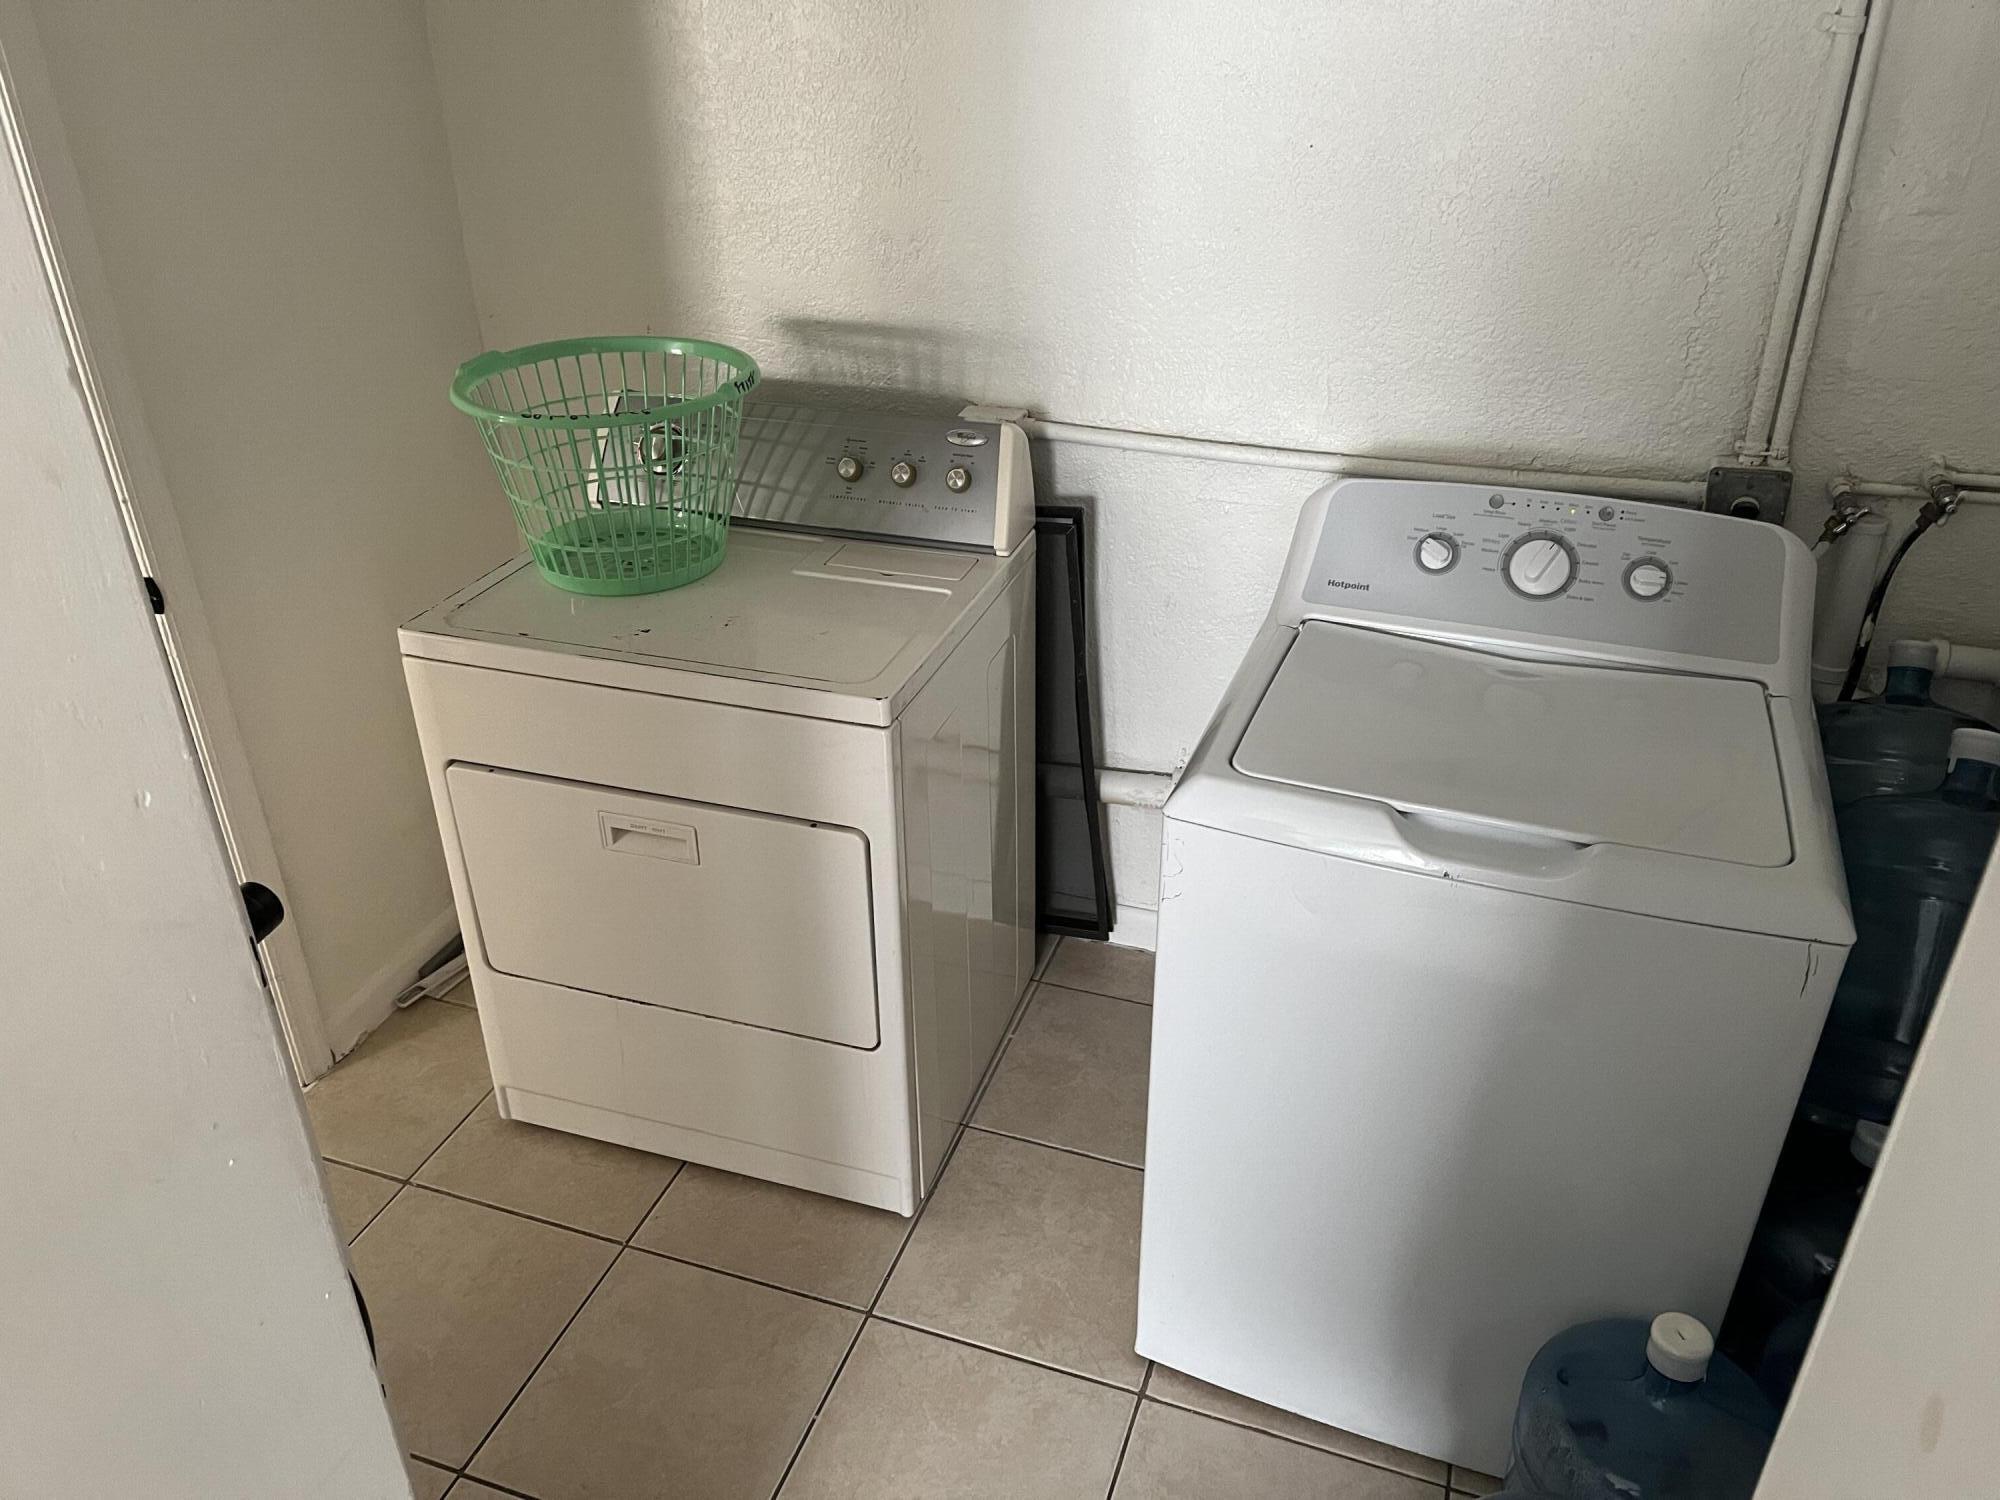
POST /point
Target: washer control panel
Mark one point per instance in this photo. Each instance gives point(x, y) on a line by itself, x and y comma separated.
point(871, 474)
point(1616, 572)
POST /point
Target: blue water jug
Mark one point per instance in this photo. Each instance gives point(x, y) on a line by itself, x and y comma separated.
point(1618, 1410)
point(1898, 742)
point(1785, 1352)
point(1913, 865)
point(1794, 1251)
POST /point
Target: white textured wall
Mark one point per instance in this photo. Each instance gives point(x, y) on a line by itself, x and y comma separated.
point(178, 1323)
point(1543, 233)
point(1908, 362)
point(272, 202)
point(1545, 230)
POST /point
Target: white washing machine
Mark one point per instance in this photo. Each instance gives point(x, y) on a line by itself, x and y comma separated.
point(1500, 909)
point(746, 869)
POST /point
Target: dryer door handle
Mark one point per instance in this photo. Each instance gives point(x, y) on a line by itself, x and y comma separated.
point(624, 834)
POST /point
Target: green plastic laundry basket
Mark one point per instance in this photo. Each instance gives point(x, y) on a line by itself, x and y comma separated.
point(618, 454)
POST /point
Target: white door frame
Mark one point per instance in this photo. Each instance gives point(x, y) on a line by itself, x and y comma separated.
point(40, 152)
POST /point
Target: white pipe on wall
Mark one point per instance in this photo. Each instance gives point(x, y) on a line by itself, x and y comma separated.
point(1966, 663)
point(1974, 489)
point(1846, 25)
point(1838, 187)
point(1846, 575)
point(1668, 491)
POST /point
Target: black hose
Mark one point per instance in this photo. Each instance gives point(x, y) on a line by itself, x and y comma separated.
point(1926, 519)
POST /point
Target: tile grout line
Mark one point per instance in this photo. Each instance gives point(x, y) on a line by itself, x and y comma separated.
point(1296, 1442)
point(627, 1244)
point(497, 1488)
point(463, 1471)
point(799, 1448)
point(1131, 1422)
point(372, 1218)
point(873, 1313)
point(1072, 989)
point(771, 1286)
point(1020, 1359)
point(869, 1313)
point(379, 1176)
point(1042, 970)
point(355, 1166)
point(450, 1133)
point(882, 1286)
point(522, 1213)
point(1029, 1140)
point(404, 1182)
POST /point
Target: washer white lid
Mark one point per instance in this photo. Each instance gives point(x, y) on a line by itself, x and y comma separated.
point(1591, 755)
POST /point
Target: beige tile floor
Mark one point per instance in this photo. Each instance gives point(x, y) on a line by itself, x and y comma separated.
point(562, 1319)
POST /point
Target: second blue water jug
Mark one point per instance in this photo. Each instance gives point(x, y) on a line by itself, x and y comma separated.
point(1620, 1410)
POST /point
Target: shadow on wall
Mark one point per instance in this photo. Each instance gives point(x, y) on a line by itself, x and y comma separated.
point(925, 371)
point(678, 211)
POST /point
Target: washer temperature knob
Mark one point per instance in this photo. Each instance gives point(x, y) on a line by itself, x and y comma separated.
point(1540, 566)
point(1436, 552)
point(1648, 578)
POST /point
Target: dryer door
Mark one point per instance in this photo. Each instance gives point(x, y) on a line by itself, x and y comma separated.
point(1588, 754)
point(719, 911)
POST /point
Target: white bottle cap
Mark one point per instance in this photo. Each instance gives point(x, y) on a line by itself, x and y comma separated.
point(1914, 654)
point(1866, 1144)
point(1679, 1347)
point(1974, 744)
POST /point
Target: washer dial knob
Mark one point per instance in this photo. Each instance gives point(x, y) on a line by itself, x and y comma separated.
point(902, 473)
point(848, 467)
point(1437, 552)
point(1648, 578)
point(1540, 566)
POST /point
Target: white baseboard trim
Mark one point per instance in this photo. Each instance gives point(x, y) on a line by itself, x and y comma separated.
point(1135, 927)
point(370, 1005)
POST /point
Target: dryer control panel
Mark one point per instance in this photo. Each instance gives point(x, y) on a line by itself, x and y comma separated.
point(1613, 572)
point(943, 481)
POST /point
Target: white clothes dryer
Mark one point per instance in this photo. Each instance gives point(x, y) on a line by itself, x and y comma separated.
point(745, 869)
point(1500, 910)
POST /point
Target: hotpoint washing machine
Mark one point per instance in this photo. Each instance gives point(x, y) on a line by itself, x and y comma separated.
point(1500, 909)
point(745, 869)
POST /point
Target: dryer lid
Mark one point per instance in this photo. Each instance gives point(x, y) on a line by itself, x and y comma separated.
point(1593, 755)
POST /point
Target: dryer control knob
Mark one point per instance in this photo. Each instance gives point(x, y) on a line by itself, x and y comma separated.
point(1648, 578)
point(1540, 566)
point(902, 474)
point(1436, 552)
point(848, 467)
point(958, 479)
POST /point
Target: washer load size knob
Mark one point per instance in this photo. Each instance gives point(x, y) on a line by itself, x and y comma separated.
point(1437, 552)
point(1540, 565)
